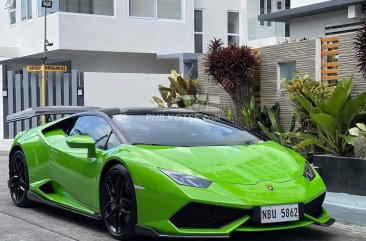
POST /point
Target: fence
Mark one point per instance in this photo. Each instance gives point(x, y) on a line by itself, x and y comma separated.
point(329, 54)
point(22, 90)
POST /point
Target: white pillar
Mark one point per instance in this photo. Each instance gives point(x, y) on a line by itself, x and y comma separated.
point(1, 104)
point(318, 59)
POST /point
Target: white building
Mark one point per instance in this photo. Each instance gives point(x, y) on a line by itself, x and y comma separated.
point(123, 48)
point(319, 18)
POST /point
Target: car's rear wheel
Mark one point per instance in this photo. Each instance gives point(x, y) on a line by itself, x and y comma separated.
point(118, 203)
point(18, 179)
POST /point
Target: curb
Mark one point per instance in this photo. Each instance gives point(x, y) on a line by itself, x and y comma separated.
point(347, 208)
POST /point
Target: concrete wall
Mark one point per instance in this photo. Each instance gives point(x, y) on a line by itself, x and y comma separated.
point(125, 34)
point(304, 53)
point(122, 90)
point(93, 61)
point(348, 64)
point(314, 26)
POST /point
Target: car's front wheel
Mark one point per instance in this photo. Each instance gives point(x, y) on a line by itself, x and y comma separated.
point(118, 203)
point(18, 179)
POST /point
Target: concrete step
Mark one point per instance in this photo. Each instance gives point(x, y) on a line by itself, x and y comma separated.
point(346, 208)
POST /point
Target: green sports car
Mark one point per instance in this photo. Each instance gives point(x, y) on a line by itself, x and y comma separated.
point(163, 173)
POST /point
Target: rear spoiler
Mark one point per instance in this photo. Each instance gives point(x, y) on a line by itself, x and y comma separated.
point(48, 111)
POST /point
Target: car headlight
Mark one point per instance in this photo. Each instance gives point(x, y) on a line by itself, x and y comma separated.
point(309, 172)
point(187, 180)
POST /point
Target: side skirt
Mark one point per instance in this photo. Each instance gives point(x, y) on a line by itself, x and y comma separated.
point(35, 198)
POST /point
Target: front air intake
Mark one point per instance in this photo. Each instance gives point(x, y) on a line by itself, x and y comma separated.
point(196, 215)
point(314, 208)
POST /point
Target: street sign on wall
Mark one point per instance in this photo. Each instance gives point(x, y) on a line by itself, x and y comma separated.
point(49, 68)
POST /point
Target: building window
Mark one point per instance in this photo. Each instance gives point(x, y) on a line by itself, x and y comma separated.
point(287, 4)
point(26, 8)
point(279, 5)
point(97, 7)
point(233, 28)
point(265, 6)
point(198, 31)
point(11, 5)
point(286, 72)
point(287, 24)
point(156, 9)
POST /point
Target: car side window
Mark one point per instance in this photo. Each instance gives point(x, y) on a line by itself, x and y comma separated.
point(95, 127)
point(113, 141)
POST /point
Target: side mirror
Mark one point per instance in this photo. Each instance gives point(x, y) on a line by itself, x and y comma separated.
point(82, 142)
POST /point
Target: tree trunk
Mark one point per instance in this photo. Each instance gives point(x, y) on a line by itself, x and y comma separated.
point(240, 96)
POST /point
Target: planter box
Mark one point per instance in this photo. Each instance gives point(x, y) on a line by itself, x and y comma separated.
point(342, 174)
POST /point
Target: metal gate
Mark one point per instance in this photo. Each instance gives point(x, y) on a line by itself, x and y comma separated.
point(22, 90)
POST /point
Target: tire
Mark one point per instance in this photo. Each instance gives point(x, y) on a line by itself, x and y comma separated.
point(19, 179)
point(118, 203)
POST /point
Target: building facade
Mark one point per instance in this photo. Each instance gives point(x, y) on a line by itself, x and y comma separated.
point(117, 51)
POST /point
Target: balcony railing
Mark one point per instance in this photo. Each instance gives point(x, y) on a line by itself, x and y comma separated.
point(256, 31)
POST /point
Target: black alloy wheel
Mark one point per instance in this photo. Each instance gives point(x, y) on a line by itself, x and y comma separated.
point(118, 203)
point(18, 179)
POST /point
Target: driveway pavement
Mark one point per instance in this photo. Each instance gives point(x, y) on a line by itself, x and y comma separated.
point(43, 223)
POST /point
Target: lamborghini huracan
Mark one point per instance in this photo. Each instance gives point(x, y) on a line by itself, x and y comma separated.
point(163, 173)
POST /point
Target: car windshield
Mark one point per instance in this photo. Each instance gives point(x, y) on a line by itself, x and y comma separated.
point(182, 130)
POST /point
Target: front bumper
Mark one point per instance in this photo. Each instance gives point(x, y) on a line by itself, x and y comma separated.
point(159, 199)
point(243, 224)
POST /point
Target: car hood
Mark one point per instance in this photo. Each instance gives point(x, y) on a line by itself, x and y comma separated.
point(244, 164)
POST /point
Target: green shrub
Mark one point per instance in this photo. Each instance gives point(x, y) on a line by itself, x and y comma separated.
point(304, 86)
point(332, 117)
point(181, 93)
point(357, 138)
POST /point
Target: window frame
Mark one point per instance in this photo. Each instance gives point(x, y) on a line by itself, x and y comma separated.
point(279, 78)
point(156, 18)
point(12, 8)
point(239, 25)
point(200, 33)
point(28, 14)
point(114, 127)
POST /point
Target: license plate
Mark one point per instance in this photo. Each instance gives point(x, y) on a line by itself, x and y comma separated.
point(278, 214)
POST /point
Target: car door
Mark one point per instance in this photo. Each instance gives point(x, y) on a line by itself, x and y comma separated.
point(73, 170)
